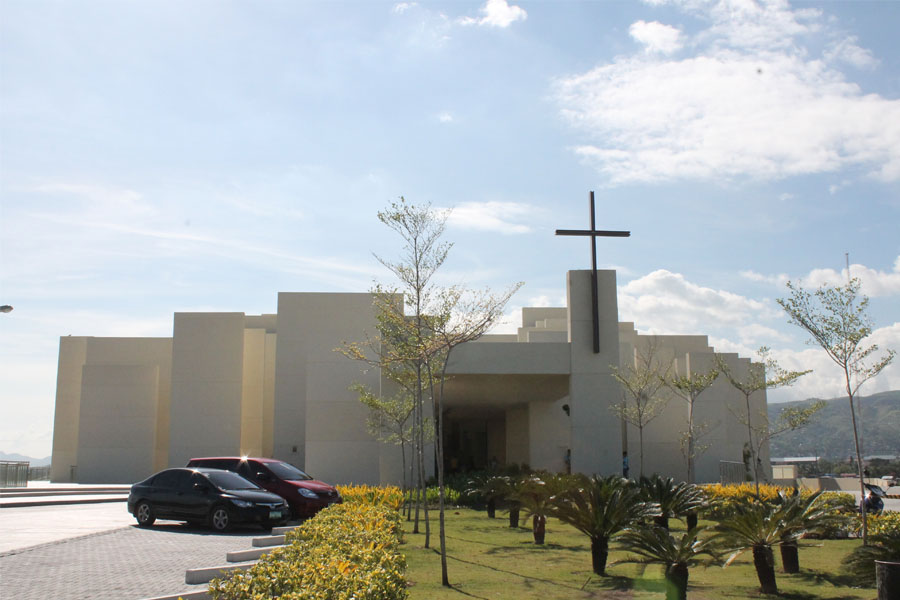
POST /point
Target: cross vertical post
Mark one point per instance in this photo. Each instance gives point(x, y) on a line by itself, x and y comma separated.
point(594, 233)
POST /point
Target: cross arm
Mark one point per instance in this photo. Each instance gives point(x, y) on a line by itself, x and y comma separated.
point(592, 232)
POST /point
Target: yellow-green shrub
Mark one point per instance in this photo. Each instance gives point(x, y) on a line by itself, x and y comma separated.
point(886, 523)
point(347, 551)
point(724, 497)
point(390, 496)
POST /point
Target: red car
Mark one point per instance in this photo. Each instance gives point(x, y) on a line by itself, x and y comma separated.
point(306, 496)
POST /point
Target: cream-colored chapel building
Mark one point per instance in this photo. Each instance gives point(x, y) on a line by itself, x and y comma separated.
point(273, 385)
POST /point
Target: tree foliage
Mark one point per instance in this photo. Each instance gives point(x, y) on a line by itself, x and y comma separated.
point(837, 320)
point(760, 376)
point(419, 324)
point(688, 387)
point(643, 383)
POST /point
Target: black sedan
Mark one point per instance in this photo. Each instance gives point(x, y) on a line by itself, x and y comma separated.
point(212, 496)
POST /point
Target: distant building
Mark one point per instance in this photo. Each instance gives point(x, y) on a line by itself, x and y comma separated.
point(272, 385)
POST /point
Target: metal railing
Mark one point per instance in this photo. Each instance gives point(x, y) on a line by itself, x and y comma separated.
point(13, 473)
point(732, 472)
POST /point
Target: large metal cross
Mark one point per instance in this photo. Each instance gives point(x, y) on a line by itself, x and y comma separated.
point(594, 233)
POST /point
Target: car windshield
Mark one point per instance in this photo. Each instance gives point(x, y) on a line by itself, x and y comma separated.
point(227, 480)
point(286, 471)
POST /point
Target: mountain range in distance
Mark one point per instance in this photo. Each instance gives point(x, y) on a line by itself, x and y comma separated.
point(830, 434)
point(35, 462)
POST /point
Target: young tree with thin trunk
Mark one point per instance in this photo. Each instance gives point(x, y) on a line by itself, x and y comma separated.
point(460, 316)
point(837, 320)
point(689, 387)
point(391, 421)
point(391, 353)
point(755, 380)
point(643, 382)
point(434, 322)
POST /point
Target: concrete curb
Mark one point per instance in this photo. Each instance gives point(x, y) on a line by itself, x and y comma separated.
point(207, 574)
point(201, 595)
point(245, 555)
point(45, 501)
point(284, 529)
point(268, 540)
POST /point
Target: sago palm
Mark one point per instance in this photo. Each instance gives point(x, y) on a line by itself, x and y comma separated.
point(800, 515)
point(510, 495)
point(677, 553)
point(676, 499)
point(601, 508)
point(860, 564)
point(488, 488)
point(758, 527)
point(536, 498)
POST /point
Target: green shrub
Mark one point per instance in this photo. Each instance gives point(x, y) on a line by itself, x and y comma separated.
point(451, 496)
point(348, 551)
point(844, 515)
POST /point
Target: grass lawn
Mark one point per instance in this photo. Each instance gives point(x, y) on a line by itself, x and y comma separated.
point(488, 560)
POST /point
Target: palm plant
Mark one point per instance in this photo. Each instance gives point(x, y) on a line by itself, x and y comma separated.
point(488, 488)
point(536, 497)
point(758, 527)
point(860, 564)
point(677, 554)
point(601, 508)
point(800, 515)
point(675, 499)
point(510, 495)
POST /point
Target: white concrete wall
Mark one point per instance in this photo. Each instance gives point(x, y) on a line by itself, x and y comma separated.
point(596, 432)
point(517, 442)
point(117, 423)
point(146, 352)
point(207, 386)
point(549, 431)
point(315, 411)
point(269, 397)
point(253, 392)
point(72, 356)
point(75, 354)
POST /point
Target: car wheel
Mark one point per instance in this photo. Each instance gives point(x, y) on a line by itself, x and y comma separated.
point(220, 518)
point(144, 514)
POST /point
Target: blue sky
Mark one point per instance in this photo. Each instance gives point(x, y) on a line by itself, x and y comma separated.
point(171, 156)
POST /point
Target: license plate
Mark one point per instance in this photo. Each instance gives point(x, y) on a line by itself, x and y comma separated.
point(275, 514)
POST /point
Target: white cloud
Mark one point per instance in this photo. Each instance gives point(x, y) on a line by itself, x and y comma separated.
point(491, 216)
point(666, 303)
point(836, 187)
point(656, 37)
point(778, 280)
point(402, 7)
point(445, 117)
point(100, 199)
point(663, 302)
point(848, 51)
point(874, 283)
point(749, 102)
point(827, 379)
point(497, 13)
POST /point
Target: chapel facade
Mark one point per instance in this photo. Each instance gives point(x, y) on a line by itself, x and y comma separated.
point(273, 385)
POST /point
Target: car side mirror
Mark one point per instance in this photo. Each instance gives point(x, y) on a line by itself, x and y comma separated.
point(262, 476)
point(201, 487)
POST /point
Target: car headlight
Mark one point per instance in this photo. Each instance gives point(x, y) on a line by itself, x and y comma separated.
point(307, 493)
point(241, 503)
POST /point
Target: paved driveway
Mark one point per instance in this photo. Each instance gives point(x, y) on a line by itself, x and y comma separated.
point(124, 563)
